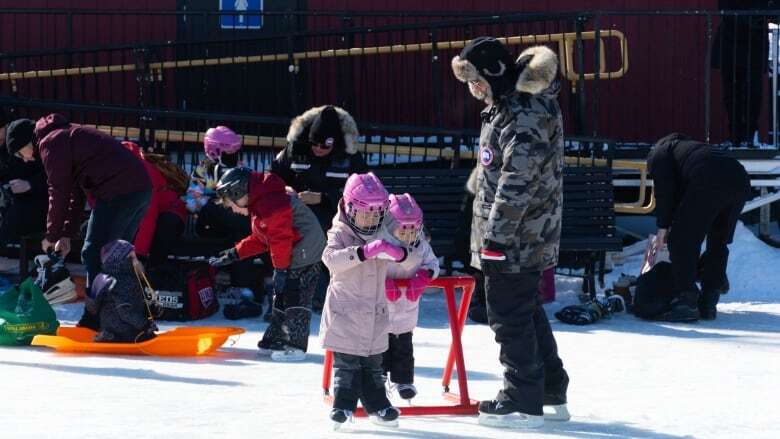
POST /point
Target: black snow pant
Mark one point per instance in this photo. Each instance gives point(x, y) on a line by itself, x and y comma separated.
point(291, 314)
point(168, 232)
point(529, 353)
point(710, 207)
point(360, 378)
point(398, 361)
point(27, 215)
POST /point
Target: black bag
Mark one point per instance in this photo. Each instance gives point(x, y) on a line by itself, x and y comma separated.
point(170, 283)
point(654, 292)
point(185, 295)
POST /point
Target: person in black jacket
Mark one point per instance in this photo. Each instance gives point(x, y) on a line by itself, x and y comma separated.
point(700, 192)
point(24, 211)
point(321, 154)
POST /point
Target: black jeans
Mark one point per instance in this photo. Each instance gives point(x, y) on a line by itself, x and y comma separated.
point(710, 207)
point(360, 378)
point(117, 218)
point(398, 361)
point(529, 353)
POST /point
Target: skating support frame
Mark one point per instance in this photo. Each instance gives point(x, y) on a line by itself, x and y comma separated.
point(463, 405)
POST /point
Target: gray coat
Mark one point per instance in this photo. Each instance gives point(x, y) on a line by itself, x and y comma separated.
point(519, 171)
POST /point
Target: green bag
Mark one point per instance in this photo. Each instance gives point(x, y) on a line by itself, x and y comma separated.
point(25, 313)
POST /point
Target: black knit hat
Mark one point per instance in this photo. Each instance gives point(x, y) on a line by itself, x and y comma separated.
point(18, 134)
point(326, 129)
point(488, 59)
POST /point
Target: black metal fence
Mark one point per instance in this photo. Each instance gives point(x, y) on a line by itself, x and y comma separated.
point(162, 76)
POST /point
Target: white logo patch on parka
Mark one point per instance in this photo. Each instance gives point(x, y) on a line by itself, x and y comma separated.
point(486, 156)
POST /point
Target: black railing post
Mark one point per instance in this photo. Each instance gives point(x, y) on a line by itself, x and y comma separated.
point(346, 87)
point(707, 78)
point(597, 74)
point(292, 70)
point(142, 79)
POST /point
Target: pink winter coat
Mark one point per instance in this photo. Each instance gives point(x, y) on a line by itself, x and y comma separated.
point(404, 312)
point(354, 319)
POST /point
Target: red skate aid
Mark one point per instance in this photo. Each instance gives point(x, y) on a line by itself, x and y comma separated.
point(457, 317)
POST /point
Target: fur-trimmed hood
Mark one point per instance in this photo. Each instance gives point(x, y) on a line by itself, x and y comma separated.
point(537, 66)
point(299, 127)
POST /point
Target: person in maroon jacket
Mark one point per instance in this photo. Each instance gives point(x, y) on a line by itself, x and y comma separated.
point(79, 160)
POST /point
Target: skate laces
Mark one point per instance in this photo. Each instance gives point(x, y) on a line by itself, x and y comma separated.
point(347, 414)
point(384, 412)
point(616, 304)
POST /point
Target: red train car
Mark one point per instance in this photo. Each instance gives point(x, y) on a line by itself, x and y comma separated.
point(664, 90)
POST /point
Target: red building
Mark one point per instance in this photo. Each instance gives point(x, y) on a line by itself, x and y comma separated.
point(664, 89)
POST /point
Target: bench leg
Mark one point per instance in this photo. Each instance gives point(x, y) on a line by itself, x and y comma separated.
point(589, 280)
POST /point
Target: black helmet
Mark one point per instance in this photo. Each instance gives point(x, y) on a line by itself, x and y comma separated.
point(234, 184)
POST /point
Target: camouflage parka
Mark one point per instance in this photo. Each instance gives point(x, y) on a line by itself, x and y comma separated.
point(519, 171)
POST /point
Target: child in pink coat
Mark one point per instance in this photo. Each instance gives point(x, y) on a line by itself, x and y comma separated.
point(355, 322)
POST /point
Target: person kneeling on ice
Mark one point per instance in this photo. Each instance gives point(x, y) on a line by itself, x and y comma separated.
point(117, 299)
point(405, 225)
point(285, 227)
point(355, 322)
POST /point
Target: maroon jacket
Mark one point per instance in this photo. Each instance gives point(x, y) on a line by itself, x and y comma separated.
point(81, 159)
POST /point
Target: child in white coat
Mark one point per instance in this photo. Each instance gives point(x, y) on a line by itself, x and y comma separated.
point(405, 226)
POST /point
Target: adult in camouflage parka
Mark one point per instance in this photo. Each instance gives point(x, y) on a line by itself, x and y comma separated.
point(516, 226)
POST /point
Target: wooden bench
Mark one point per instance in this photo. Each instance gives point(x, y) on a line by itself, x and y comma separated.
point(439, 192)
point(588, 227)
point(588, 224)
point(190, 248)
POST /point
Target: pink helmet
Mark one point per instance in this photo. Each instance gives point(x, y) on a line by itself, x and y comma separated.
point(407, 215)
point(365, 193)
point(221, 139)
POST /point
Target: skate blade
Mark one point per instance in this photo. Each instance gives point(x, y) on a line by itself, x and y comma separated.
point(389, 424)
point(515, 420)
point(288, 357)
point(262, 352)
point(560, 413)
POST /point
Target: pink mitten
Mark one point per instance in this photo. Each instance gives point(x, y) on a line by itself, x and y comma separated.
point(391, 290)
point(417, 285)
point(383, 250)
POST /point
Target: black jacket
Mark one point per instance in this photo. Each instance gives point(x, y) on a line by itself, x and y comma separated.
point(13, 168)
point(676, 163)
point(303, 171)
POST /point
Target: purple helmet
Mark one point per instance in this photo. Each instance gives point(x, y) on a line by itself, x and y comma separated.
point(365, 195)
point(408, 218)
point(115, 251)
point(221, 139)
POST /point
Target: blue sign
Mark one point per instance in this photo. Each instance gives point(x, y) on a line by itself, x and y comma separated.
point(252, 19)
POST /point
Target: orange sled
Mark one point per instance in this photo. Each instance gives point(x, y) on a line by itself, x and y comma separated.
point(180, 342)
